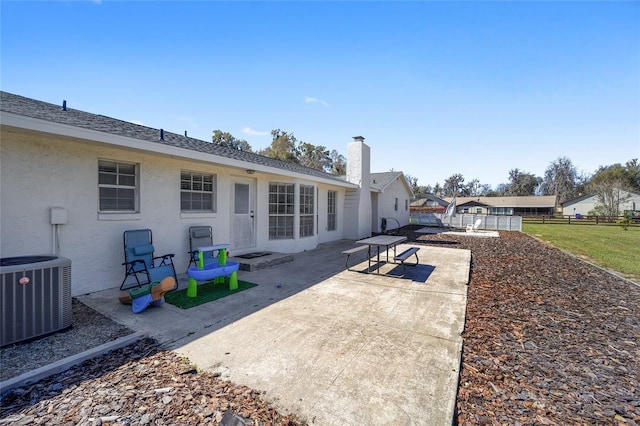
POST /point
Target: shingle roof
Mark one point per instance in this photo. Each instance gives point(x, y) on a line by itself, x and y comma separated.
point(379, 181)
point(522, 201)
point(32, 108)
point(421, 200)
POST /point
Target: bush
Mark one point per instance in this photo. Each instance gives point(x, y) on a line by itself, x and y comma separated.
point(625, 223)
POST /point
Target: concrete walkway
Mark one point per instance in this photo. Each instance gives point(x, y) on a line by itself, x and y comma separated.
point(334, 346)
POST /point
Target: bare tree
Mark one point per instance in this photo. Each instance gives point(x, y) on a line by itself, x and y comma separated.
point(472, 189)
point(610, 196)
point(437, 190)
point(454, 186)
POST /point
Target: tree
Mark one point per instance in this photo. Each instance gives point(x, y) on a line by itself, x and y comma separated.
point(610, 196)
point(627, 176)
point(521, 183)
point(560, 180)
point(314, 156)
point(425, 189)
point(454, 186)
point(437, 190)
point(413, 182)
point(226, 139)
point(501, 190)
point(485, 190)
point(338, 163)
point(284, 146)
point(472, 189)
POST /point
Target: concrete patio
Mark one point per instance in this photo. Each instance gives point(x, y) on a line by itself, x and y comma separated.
point(336, 347)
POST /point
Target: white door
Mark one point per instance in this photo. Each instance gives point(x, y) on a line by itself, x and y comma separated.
point(243, 228)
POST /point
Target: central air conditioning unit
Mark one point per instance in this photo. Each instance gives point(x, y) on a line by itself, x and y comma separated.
point(35, 297)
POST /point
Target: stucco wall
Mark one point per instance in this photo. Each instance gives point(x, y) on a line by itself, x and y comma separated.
point(358, 202)
point(386, 206)
point(39, 172)
point(583, 207)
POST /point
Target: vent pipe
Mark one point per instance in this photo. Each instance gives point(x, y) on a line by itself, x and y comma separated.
point(64, 105)
point(161, 134)
point(185, 133)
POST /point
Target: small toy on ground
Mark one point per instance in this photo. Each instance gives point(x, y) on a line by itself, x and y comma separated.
point(140, 298)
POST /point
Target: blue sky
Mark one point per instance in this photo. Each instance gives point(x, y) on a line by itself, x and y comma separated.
point(436, 88)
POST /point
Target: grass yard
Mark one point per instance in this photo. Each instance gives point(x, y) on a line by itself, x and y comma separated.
point(610, 247)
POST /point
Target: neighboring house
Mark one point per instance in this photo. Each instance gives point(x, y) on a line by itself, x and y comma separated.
point(530, 205)
point(390, 195)
point(72, 182)
point(428, 203)
point(584, 204)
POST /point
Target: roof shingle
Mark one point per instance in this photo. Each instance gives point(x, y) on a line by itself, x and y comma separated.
point(40, 110)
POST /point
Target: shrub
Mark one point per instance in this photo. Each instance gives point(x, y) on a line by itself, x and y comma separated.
point(624, 222)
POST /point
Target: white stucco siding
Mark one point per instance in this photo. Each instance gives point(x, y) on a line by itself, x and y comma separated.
point(583, 207)
point(63, 173)
point(386, 206)
point(297, 244)
point(41, 171)
point(324, 234)
point(358, 202)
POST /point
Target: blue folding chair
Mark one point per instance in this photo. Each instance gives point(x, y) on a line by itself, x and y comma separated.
point(200, 236)
point(141, 266)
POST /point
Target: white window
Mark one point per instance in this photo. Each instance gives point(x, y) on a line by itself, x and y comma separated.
point(197, 192)
point(117, 187)
point(281, 210)
point(332, 216)
point(307, 209)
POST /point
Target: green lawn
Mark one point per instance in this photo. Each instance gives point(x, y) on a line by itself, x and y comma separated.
point(608, 246)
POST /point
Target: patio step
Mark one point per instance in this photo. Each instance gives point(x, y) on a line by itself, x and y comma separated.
point(261, 262)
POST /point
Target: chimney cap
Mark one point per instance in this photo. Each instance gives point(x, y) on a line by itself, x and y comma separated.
point(358, 138)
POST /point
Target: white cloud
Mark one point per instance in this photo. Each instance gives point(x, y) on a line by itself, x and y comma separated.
point(312, 100)
point(188, 121)
point(250, 131)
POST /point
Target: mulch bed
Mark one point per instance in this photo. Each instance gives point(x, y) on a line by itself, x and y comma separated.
point(549, 339)
point(139, 385)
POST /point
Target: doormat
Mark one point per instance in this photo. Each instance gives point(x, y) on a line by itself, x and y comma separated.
point(254, 255)
point(206, 293)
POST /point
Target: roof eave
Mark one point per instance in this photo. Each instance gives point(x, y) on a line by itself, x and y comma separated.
point(34, 124)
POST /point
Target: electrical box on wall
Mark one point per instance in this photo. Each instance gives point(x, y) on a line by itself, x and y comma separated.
point(58, 215)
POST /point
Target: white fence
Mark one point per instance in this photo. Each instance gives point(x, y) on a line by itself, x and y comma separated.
point(498, 223)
